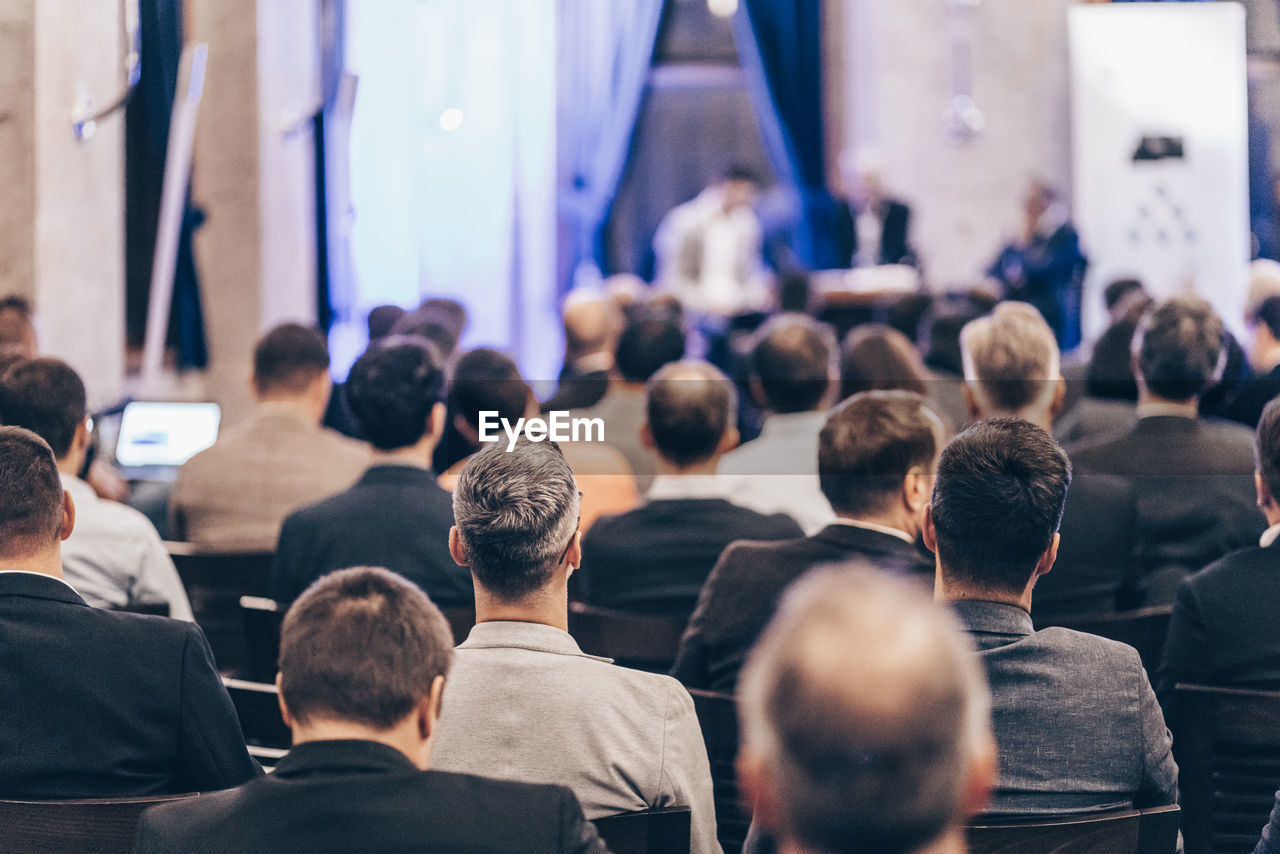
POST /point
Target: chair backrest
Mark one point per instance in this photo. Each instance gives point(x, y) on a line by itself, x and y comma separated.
point(215, 581)
point(262, 618)
point(718, 718)
point(258, 708)
point(665, 831)
point(1144, 629)
point(643, 641)
point(89, 826)
point(1227, 744)
point(1152, 831)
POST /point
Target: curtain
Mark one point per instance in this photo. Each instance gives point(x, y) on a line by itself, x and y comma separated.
point(780, 48)
point(605, 53)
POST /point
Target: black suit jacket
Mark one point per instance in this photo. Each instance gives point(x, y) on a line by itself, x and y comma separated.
point(107, 704)
point(895, 247)
point(347, 796)
point(577, 391)
point(395, 517)
point(1223, 630)
point(1195, 491)
point(743, 590)
point(1252, 397)
point(656, 557)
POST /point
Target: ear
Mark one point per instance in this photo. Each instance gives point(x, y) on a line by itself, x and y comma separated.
point(1047, 559)
point(980, 781)
point(68, 516)
point(916, 488)
point(430, 707)
point(730, 440)
point(80, 441)
point(1265, 498)
point(646, 437)
point(285, 714)
point(573, 557)
point(435, 422)
point(757, 791)
point(532, 409)
point(927, 530)
point(757, 392)
point(1059, 399)
point(456, 551)
point(971, 403)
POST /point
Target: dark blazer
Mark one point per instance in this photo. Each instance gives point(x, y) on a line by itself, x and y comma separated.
point(108, 704)
point(344, 796)
point(656, 557)
point(1252, 397)
point(895, 246)
point(1223, 630)
point(577, 391)
point(1076, 724)
point(395, 517)
point(744, 587)
point(1195, 491)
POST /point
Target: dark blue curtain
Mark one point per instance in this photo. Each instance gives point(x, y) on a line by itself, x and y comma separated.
point(606, 49)
point(780, 48)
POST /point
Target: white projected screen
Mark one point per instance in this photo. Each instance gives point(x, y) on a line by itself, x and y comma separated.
point(165, 434)
point(1160, 143)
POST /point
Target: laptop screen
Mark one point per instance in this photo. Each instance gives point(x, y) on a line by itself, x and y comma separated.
point(165, 434)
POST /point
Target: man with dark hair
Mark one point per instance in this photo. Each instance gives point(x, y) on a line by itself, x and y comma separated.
point(114, 558)
point(1220, 633)
point(234, 496)
point(657, 557)
point(1264, 359)
point(396, 516)
point(1076, 722)
point(876, 457)
point(592, 325)
point(17, 332)
point(441, 321)
point(1193, 476)
point(363, 660)
point(102, 703)
point(793, 376)
point(525, 703)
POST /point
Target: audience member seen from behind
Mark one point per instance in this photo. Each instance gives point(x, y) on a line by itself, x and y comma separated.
point(874, 356)
point(1193, 475)
point(114, 558)
point(792, 376)
point(1011, 367)
point(234, 495)
point(364, 657)
point(525, 703)
point(866, 722)
point(656, 557)
point(1264, 357)
point(1077, 725)
point(876, 457)
point(100, 703)
point(592, 325)
point(396, 516)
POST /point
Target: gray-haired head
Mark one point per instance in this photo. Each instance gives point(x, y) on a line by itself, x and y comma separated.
point(515, 512)
point(866, 720)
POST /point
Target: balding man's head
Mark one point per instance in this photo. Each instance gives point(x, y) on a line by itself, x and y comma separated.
point(1010, 362)
point(691, 409)
point(793, 362)
point(865, 717)
point(591, 325)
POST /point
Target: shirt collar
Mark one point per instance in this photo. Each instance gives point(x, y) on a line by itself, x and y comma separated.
point(61, 581)
point(995, 618)
point(1179, 410)
point(873, 526)
point(675, 487)
point(510, 634)
point(1269, 536)
point(81, 492)
point(793, 423)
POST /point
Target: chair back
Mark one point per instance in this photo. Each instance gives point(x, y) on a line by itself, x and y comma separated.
point(258, 708)
point(215, 581)
point(1153, 831)
point(86, 826)
point(1227, 744)
point(643, 641)
point(665, 831)
point(262, 618)
point(718, 718)
point(1144, 629)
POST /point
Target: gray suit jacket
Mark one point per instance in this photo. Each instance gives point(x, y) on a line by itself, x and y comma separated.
point(1077, 725)
point(523, 702)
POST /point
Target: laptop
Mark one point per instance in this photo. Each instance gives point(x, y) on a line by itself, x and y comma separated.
point(156, 437)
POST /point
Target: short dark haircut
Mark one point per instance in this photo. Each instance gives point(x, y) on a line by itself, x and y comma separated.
point(440, 321)
point(516, 511)
point(382, 319)
point(30, 494)
point(868, 446)
point(16, 329)
point(392, 389)
point(1267, 447)
point(1119, 289)
point(1180, 347)
point(485, 380)
point(1110, 374)
point(288, 359)
point(47, 397)
point(1268, 314)
point(997, 502)
point(875, 356)
point(361, 645)
point(690, 406)
point(648, 342)
point(792, 361)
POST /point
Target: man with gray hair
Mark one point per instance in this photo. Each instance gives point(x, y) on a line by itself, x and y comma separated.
point(525, 703)
point(866, 722)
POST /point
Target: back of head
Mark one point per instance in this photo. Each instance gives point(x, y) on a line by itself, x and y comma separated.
point(690, 406)
point(591, 325)
point(1121, 290)
point(440, 321)
point(1267, 448)
point(486, 380)
point(1010, 359)
point(997, 502)
point(47, 397)
point(868, 446)
point(1179, 346)
point(382, 319)
point(288, 359)
point(515, 511)
point(792, 360)
point(1110, 371)
point(874, 356)
point(17, 332)
point(392, 389)
point(651, 339)
point(864, 708)
point(361, 646)
point(30, 494)
point(1267, 314)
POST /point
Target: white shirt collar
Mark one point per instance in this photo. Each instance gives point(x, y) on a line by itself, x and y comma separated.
point(1269, 536)
point(80, 490)
point(675, 487)
point(874, 526)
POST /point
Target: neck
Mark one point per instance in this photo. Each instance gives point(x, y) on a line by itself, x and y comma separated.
point(1269, 362)
point(48, 562)
point(1190, 408)
point(418, 456)
point(71, 464)
point(404, 737)
point(951, 590)
point(889, 520)
point(706, 467)
point(548, 606)
point(299, 406)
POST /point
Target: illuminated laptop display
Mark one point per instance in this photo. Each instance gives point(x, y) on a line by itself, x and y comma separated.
point(154, 434)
